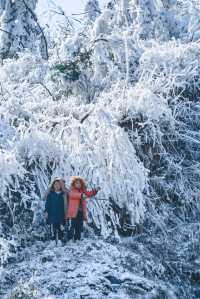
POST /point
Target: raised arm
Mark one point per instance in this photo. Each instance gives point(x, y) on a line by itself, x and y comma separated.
point(90, 193)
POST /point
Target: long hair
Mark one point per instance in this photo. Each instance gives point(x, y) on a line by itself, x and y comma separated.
point(51, 188)
point(74, 179)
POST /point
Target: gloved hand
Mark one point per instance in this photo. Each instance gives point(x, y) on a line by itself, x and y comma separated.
point(83, 196)
point(62, 227)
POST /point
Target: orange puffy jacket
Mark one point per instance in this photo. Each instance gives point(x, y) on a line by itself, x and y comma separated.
point(74, 200)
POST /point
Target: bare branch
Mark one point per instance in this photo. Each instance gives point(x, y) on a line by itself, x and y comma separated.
point(2, 92)
point(79, 14)
point(9, 33)
point(49, 92)
point(86, 116)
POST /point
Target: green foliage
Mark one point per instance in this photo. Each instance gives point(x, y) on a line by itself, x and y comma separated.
point(61, 67)
point(72, 69)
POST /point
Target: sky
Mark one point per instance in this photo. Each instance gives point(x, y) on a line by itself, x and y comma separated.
point(72, 6)
point(75, 6)
point(69, 6)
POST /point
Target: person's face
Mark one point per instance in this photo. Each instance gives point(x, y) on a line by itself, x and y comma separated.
point(78, 184)
point(62, 184)
point(57, 186)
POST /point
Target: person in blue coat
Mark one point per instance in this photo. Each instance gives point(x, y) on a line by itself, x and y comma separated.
point(55, 209)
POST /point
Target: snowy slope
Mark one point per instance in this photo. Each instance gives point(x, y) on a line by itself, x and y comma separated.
point(98, 270)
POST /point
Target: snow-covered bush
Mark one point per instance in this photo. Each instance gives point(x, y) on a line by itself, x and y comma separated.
point(8, 250)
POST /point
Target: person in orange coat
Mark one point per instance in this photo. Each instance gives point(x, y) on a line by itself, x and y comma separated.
point(77, 207)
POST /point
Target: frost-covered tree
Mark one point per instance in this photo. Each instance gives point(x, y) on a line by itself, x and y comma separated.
point(20, 28)
point(146, 15)
point(193, 32)
point(92, 10)
point(169, 3)
point(156, 19)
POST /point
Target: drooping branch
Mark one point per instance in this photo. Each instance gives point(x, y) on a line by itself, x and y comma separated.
point(46, 56)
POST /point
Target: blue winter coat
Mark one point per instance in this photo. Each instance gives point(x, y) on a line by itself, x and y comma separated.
point(54, 206)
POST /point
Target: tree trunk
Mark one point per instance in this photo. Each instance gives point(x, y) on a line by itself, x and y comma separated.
point(19, 28)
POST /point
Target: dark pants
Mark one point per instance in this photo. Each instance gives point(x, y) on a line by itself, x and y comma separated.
point(56, 231)
point(75, 227)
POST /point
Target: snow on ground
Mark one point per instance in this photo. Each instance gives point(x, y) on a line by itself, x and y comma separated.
point(91, 268)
